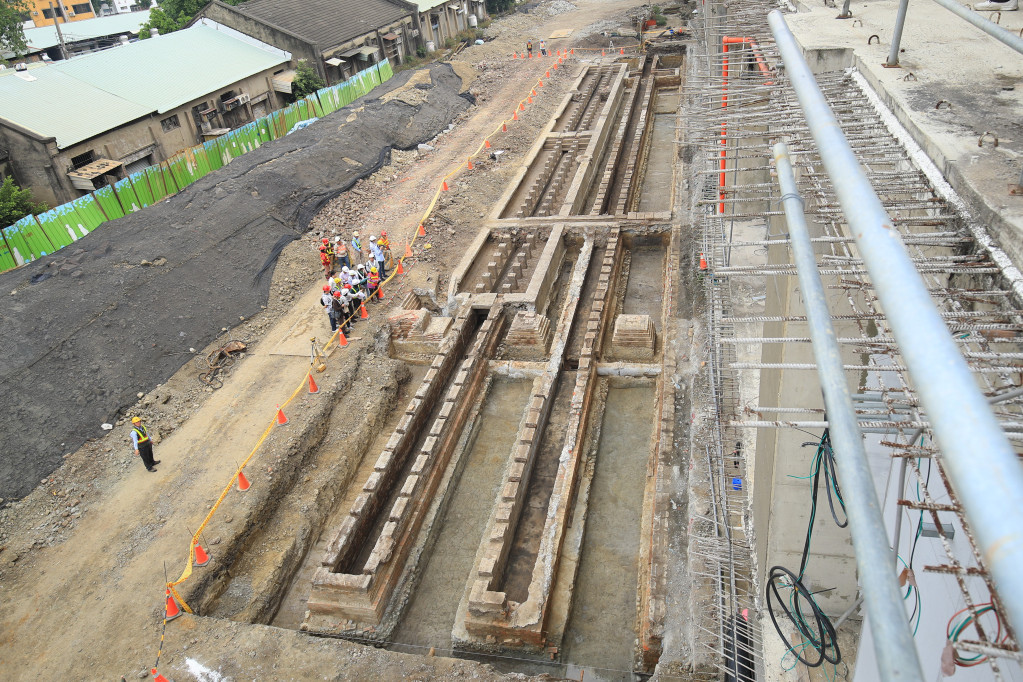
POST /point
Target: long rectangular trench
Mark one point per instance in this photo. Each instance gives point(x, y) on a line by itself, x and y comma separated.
point(508, 503)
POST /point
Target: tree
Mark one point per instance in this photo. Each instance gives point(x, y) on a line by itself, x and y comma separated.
point(16, 203)
point(159, 19)
point(306, 81)
point(171, 16)
point(499, 6)
point(12, 15)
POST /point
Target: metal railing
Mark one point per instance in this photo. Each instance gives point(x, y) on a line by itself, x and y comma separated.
point(982, 465)
point(893, 642)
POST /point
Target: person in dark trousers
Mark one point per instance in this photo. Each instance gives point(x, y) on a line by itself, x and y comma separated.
point(529, 46)
point(143, 444)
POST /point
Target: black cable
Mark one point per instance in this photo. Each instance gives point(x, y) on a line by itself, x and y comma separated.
point(821, 636)
point(831, 480)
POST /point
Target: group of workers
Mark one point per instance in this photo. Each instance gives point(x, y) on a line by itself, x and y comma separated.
point(362, 271)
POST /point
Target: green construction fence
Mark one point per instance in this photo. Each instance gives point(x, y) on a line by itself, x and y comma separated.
point(35, 236)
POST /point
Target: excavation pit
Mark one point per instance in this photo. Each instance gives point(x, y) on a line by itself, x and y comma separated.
point(511, 498)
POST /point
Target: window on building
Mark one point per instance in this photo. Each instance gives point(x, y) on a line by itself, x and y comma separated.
point(170, 123)
point(82, 9)
point(48, 13)
point(82, 159)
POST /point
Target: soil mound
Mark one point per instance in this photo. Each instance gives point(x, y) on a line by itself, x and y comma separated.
point(86, 329)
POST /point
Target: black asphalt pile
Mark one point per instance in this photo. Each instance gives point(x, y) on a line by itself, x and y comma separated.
point(83, 331)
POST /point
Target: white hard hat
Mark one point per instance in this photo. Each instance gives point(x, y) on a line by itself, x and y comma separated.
point(372, 238)
point(337, 239)
point(344, 269)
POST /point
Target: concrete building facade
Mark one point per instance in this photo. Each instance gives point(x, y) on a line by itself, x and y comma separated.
point(441, 20)
point(48, 12)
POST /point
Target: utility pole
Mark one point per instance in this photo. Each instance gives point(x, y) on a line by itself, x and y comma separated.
point(60, 36)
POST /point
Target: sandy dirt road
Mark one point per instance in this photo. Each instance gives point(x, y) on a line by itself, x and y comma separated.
point(90, 607)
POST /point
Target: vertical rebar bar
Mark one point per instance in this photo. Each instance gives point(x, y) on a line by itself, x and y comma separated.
point(980, 462)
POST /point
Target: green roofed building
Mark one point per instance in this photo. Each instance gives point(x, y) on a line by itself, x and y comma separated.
point(74, 125)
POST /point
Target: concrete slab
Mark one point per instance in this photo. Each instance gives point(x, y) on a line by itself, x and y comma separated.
point(950, 61)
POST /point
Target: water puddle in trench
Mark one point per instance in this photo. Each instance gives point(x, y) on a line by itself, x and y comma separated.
point(431, 615)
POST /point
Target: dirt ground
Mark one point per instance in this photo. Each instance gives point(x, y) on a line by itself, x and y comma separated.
point(83, 557)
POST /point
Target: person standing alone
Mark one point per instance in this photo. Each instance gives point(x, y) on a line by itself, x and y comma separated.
point(143, 444)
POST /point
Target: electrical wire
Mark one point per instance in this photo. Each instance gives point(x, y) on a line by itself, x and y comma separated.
point(818, 632)
point(952, 633)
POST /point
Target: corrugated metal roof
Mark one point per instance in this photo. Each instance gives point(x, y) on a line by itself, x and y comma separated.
point(46, 36)
point(61, 106)
point(79, 98)
point(326, 23)
point(168, 71)
point(426, 5)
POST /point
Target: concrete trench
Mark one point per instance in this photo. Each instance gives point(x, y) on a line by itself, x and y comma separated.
point(509, 498)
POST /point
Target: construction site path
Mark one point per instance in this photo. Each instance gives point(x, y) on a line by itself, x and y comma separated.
point(88, 603)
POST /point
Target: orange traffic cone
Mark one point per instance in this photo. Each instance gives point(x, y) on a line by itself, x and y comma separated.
point(486, 144)
point(401, 270)
point(547, 74)
point(515, 55)
point(408, 249)
point(468, 164)
point(421, 232)
point(561, 60)
point(342, 340)
point(504, 127)
point(539, 84)
point(313, 388)
point(444, 186)
point(243, 483)
point(522, 106)
point(172, 607)
point(201, 557)
point(529, 100)
point(380, 293)
point(572, 51)
point(515, 116)
point(157, 677)
point(530, 55)
point(603, 53)
point(703, 262)
point(623, 51)
point(362, 311)
point(281, 419)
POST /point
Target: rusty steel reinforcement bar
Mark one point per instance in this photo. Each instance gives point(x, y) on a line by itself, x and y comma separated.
point(984, 24)
point(893, 641)
point(980, 462)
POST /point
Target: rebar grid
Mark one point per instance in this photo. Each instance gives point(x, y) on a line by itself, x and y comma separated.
point(969, 289)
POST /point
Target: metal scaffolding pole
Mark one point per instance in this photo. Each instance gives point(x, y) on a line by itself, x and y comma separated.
point(982, 466)
point(893, 642)
point(984, 24)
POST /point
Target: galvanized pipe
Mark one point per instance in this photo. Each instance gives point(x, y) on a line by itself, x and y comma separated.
point(893, 641)
point(977, 456)
point(985, 25)
point(900, 22)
